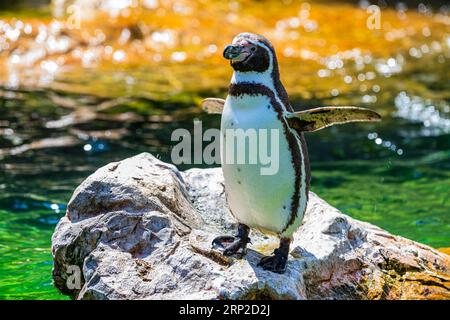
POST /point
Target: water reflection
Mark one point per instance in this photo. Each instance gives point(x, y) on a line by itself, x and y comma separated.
point(415, 109)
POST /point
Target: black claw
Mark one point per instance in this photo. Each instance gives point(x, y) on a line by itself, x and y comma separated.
point(237, 247)
point(278, 262)
point(233, 245)
point(221, 241)
point(230, 245)
point(275, 263)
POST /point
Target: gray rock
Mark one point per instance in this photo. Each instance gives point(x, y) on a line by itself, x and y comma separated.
point(140, 229)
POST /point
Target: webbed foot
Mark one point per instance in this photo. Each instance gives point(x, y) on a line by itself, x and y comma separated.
point(277, 263)
point(234, 245)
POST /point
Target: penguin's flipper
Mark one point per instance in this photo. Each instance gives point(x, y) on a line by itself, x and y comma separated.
point(319, 118)
point(213, 105)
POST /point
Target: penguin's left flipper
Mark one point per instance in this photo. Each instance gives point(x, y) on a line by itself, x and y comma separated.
point(213, 105)
point(319, 118)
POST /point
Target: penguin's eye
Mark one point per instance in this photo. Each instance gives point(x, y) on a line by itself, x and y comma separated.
point(253, 49)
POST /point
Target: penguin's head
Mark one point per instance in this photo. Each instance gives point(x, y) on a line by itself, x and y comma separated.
point(250, 52)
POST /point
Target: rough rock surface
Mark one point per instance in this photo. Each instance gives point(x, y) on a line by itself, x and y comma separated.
point(140, 229)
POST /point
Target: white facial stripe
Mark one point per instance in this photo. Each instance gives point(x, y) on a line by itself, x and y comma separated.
point(256, 43)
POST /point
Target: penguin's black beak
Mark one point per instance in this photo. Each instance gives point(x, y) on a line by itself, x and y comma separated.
point(235, 52)
point(232, 51)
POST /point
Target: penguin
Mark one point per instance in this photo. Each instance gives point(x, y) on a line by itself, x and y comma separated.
point(273, 203)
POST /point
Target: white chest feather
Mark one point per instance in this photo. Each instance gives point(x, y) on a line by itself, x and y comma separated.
point(258, 200)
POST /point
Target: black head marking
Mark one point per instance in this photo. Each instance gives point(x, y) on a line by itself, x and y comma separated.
point(260, 62)
point(258, 59)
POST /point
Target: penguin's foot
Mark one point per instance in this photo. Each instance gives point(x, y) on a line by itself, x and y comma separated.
point(234, 245)
point(231, 245)
point(277, 263)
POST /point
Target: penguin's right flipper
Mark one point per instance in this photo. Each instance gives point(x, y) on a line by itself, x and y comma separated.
point(213, 105)
point(319, 118)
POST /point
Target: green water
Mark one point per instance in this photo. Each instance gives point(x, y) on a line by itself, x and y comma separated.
point(25, 256)
point(406, 194)
point(395, 174)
